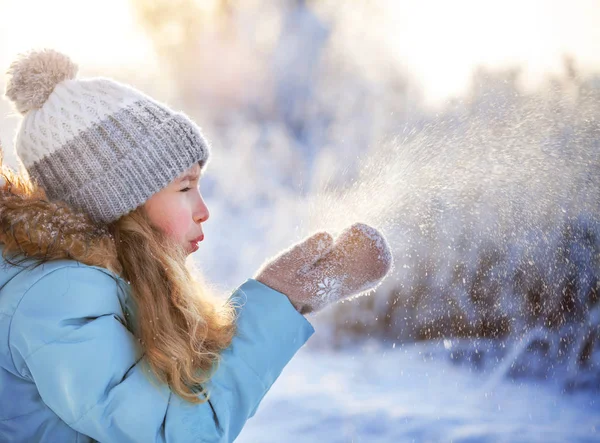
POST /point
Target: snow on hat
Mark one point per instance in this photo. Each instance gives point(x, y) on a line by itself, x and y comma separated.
point(98, 145)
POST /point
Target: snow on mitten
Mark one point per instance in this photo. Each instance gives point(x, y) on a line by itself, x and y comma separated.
point(319, 271)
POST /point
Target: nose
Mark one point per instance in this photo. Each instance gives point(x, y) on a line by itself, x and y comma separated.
point(201, 213)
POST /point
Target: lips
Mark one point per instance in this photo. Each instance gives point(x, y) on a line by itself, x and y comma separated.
point(198, 239)
point(194, 243)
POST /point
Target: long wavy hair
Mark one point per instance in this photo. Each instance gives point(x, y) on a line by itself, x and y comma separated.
point(181, 325)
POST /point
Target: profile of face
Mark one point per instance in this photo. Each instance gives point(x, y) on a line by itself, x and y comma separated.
point(178, 210)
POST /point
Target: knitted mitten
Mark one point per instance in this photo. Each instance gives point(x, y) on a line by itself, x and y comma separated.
point(319, 271)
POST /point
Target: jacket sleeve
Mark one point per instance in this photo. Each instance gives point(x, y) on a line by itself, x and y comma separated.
point(68, 336)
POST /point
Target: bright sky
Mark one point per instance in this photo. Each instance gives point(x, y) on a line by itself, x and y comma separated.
point(91, 32)
point(441, 41)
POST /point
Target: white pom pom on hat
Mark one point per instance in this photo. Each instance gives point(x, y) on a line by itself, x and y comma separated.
point(34, 75)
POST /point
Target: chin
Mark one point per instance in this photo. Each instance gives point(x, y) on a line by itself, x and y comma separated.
point(192, 247)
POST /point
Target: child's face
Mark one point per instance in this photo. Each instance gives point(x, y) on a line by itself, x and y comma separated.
point(178, 210)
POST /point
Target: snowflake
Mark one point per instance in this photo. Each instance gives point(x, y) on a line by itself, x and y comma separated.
point(328, 288)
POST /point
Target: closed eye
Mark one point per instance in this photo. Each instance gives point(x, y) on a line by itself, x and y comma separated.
point(185, 189)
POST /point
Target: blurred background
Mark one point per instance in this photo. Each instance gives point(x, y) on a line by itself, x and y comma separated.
point(467, 131)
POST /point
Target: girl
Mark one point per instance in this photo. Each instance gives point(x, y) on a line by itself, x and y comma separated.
point(105, 334)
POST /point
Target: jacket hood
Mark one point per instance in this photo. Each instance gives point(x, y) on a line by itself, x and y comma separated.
point(32, 227)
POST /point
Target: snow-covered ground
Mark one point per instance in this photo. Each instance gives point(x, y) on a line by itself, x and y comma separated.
point(402, 394)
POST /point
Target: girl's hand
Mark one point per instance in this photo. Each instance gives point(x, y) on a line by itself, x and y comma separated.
point(319, 271)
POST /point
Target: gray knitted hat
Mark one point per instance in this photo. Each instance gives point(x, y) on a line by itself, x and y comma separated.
point(98, 145)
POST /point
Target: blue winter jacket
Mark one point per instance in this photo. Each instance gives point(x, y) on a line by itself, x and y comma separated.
point(72, 371)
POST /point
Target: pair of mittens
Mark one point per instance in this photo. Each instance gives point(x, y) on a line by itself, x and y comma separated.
point(319, 270)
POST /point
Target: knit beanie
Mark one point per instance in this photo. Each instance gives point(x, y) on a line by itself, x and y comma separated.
point(100, 146)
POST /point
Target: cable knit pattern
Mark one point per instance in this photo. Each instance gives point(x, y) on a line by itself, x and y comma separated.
point(72, 108)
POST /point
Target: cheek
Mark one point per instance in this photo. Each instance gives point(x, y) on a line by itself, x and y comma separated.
point(171, 217)
point(177, 223)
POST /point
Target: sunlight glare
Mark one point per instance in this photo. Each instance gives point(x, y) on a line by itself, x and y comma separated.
point(93, 33)
point(442, 42)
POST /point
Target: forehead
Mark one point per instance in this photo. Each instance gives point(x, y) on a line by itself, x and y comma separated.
point(190, 173)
